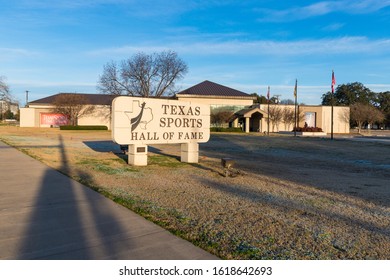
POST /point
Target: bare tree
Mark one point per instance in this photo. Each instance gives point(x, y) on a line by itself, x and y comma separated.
point(220, 118)
point(73, 106)
point(4, 90)
point(6, 99)
point(365, 113)
point(143, 75)
point(275, 116)
point(374, 115)
point(358, 114)
point(288, 117)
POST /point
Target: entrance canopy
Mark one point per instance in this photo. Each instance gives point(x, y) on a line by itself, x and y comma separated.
point(250, 118)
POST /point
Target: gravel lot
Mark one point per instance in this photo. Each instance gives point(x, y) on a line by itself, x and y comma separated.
point(296, 198)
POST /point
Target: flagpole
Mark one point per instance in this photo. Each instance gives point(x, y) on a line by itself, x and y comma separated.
point(331, 116)
point(295, 108)
point(268, 112)
point(332, 101)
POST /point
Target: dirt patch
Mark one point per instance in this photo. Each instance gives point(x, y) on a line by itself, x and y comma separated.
point(300, 198)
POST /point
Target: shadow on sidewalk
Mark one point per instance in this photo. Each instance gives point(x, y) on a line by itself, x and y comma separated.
point(70, 221)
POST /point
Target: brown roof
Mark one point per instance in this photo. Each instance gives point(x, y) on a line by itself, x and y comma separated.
point(249, 111)
point(210, 89)
point(92, 98)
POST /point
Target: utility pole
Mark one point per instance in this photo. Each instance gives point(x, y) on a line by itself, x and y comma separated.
point(26, 98)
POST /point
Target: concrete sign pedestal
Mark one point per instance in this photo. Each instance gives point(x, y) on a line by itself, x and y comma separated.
point(190, 152)
point(138, 155)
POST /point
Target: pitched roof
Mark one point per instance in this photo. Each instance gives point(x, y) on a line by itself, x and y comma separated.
point(92, 98)
point(210, 89)
point(247, 112)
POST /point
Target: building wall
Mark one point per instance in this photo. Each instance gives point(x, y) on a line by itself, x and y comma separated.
point(100, 116)
point(275, 128)
point(340, 119)
point(27, 117)
point(323, 118)
point(31, 116)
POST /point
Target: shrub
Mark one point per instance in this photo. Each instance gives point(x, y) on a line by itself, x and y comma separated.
point(307, 129)
point(83, 127)
point(226, 129)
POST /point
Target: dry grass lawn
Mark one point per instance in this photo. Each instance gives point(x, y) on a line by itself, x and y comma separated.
point(298, 198)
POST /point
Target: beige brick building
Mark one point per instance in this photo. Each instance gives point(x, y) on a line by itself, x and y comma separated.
point(249, 116)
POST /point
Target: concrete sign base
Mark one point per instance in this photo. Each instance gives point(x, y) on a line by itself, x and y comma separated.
point(138, 155)
point(190, 152)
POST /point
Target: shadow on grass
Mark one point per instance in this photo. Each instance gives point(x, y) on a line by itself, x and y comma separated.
point(340, 166)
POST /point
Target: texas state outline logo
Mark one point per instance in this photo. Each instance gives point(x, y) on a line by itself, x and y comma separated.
point(139, 115)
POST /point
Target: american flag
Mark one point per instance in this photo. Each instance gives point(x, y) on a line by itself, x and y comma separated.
point(333, 81)
point(296, 88)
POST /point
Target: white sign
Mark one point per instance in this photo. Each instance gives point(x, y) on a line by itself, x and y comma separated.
point(158, 121)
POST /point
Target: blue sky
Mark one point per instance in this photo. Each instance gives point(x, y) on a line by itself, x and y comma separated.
point(49, 46)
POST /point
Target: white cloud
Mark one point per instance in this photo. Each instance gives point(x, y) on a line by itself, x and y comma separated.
point(66, 4)
point(43, 83)
point(7, 54)
point(322, 8)
point(365, 6)
point(333, 27)
point(344, 45)
point(378, 87)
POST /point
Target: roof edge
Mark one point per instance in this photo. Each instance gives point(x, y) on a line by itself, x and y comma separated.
point(249, 97)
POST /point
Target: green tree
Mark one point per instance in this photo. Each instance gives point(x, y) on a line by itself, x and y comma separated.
point(261, 99)
point(348, 94)
point(8, 114)
point(383, 100)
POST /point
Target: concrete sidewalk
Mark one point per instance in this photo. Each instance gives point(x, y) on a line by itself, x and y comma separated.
point(46, 215)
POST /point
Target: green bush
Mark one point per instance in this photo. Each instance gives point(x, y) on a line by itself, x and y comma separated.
point(83, 127)
point(226, 129)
